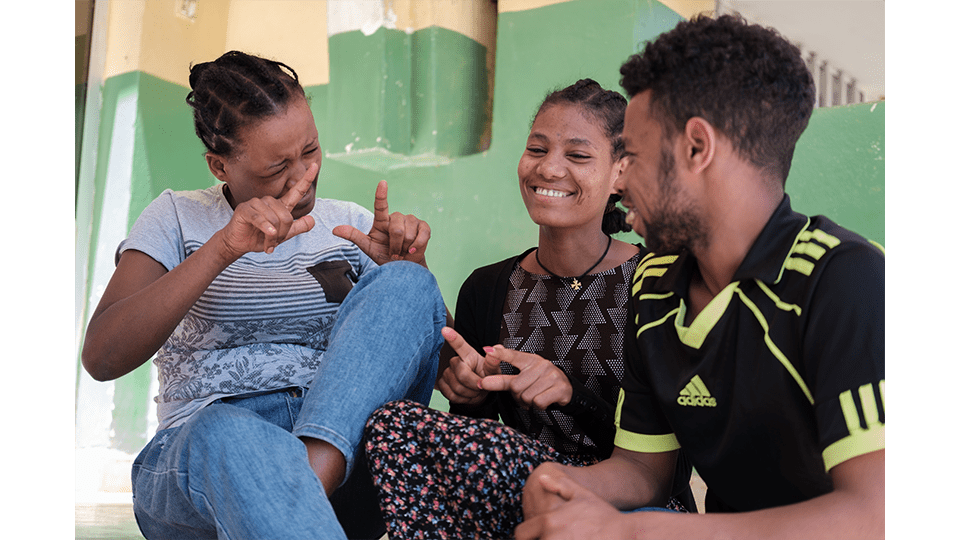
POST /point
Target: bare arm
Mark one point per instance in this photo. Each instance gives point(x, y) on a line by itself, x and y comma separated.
point(143, 303)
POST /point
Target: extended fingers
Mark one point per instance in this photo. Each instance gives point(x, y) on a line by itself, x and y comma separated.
point(460, 346)
point(381, 210)
point(539, 384)
point(300, 226)
point(351, 233)
point(295, 193)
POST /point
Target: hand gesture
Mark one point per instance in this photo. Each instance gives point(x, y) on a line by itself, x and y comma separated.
point(539, 384)
point(556, 507)
point(261, 224)
point(393, 237)
point(459, 383)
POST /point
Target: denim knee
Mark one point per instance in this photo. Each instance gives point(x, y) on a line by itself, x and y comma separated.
point(409, 277)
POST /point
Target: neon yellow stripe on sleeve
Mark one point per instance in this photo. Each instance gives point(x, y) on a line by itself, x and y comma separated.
point(860, 443)
point(869, 403)
point(637, 442)
point(849, 409)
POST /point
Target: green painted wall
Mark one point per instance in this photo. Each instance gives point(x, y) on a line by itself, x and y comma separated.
point(469, 198)
point(838, 168)
point(407, 94)
point(166, 153)
point(448, 92)
point(473, 203)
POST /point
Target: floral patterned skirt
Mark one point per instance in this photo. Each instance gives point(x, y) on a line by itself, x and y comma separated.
point(442, 476)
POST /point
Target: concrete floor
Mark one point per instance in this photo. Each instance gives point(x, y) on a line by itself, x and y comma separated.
point(105, 522)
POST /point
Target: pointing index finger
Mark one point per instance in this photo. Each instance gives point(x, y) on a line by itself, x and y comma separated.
point(460, 345)
point(517, 359)
point(381, 210)
point(294, 194)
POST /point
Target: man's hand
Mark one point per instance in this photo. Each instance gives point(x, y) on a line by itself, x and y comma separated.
point(393, 237)
point(556, 507)
point(264, 223)
point(459, 383)
point(539, 384)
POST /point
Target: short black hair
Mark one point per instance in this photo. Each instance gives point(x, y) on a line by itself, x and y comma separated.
point(234, 91)
point(746, 80)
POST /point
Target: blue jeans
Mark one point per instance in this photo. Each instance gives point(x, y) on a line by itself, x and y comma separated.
point(237, 469)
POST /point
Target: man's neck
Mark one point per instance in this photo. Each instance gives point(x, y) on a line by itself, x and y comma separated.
point(736, 218)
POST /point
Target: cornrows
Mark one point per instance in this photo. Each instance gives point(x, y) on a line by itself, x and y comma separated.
point(234, 91)
point(607, 106)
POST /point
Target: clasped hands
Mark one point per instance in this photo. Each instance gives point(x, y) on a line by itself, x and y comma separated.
point(261, 224)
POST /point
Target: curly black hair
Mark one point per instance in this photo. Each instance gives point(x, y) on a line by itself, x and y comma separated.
point(607, 107)
point(234, 91)
point(746, 80)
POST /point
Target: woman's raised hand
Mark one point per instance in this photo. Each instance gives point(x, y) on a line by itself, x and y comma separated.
point(538, 385)
point(263, 223)
point(393, 237)
point(459, 383)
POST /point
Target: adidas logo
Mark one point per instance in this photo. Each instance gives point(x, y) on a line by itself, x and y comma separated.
point(695, 394)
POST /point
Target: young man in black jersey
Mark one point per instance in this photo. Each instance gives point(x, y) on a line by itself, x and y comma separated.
point(756, 343)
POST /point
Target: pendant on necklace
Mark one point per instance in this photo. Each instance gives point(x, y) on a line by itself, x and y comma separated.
point(575, 284)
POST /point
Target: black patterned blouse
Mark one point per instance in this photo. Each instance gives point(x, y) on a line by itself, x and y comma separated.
point(580, 331)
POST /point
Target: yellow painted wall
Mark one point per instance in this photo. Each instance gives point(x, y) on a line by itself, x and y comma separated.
point(522, 5)
point(689, 8)
point(476, 19)
point(685, 8)
point(290, 31)
point(152, 37)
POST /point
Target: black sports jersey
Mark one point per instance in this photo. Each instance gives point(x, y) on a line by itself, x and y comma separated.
point(777, 380)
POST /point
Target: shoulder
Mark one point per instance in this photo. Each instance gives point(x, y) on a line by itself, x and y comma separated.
point(827, 255)
point(197, 205)
point(656, 272)
point(491, 273)
point(487, 283)
point(206, 197)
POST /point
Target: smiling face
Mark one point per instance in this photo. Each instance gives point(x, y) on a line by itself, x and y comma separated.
point(273, 154)
point(659, 209)
point(567, 170)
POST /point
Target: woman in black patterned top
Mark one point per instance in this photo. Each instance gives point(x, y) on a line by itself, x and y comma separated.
point(539, 344)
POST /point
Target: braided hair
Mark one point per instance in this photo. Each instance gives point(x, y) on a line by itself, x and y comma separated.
point(607, 108)
point(234, 91)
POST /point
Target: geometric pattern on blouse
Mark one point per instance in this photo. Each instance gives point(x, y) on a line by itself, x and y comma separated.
point(581, 332)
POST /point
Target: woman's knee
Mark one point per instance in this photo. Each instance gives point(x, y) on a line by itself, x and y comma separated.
point(395, 415)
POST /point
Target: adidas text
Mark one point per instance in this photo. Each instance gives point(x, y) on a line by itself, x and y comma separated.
point(697, 401)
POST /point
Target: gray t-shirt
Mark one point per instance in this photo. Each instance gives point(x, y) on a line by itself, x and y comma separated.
point(264, 322)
